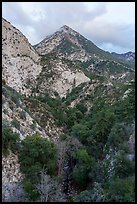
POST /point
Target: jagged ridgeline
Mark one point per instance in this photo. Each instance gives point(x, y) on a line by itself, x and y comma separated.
point(68, 120)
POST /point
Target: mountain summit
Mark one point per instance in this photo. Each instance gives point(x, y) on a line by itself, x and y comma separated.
point(65, 28)
point(68, 43)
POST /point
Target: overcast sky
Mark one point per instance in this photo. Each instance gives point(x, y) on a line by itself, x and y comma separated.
point(110, 25)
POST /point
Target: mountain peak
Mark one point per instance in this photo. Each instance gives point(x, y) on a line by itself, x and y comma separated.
point(66, 28)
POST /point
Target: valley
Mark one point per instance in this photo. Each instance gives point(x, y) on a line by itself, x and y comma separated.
point(68, 120)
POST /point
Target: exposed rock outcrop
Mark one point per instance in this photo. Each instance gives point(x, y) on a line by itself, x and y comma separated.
point(20, 62)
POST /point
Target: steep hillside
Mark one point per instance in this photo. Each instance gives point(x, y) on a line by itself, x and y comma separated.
point(21, 117)
point(68, 120)
point(58, 76)
point(70, 45)
point(20, 62)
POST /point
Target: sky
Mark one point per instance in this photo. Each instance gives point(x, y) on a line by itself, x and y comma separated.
point(109, 25)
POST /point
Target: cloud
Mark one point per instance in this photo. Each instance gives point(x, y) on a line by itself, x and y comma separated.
point(95, 20)
point(46, 18)
point(115, 34)
point(15, 13)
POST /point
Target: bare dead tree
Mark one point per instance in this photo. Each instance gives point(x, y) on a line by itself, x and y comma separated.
point(49, 189)
point(66, 148)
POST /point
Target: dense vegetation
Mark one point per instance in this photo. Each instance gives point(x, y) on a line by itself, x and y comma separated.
point(10, 140)
point(34, 155)
point(102, 130)
point(96, 144)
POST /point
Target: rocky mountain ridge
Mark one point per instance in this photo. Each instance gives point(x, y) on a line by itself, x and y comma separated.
point(128, 56)
point(69, 44)
point(68, 92)
point(21, 63)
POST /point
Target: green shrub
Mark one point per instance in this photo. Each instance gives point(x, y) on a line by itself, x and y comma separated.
point(81, 131)
point(124, 167)
point(35, 153)
point(84, 196)
point(10, 141)
point(29, 188)
point(16, 124)
point(84, 165)
point(125, 108)
point(15, 98)
point(23, 115)
point(121, 190)
point(55, 107)
point(117, 135)
point(81, 107)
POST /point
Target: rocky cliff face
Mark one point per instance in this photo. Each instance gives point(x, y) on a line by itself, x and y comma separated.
point(11, 166)
point(59, 76)
point(20, 62)
point(15, 112)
